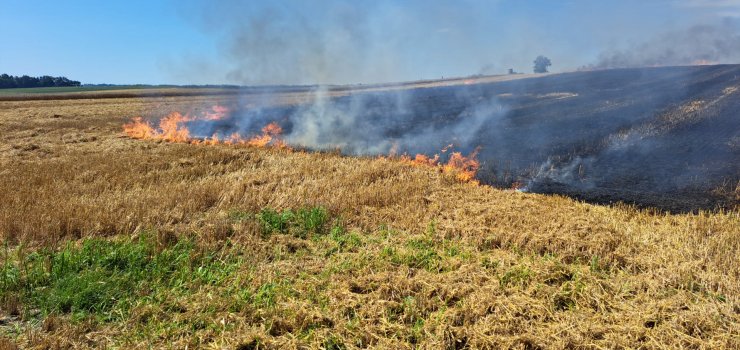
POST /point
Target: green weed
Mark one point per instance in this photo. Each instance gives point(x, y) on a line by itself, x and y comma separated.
point(302, 223)
point(418, 253)
point(517, 275)
point(343, 241)
point(272, 221)
point(105, 278)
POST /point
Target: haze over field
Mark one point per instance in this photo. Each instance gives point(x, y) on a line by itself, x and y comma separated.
point(473, 174)
point(330, 41)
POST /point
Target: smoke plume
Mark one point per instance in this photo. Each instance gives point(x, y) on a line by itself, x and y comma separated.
point(628, 132)
point(698, 44)
point(367, 123)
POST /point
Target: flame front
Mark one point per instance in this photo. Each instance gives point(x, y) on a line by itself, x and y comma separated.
point(139, 129)
point(174, 128)
point(269, 132)
point(461, 167)
point(464, 168)
point(171, 128)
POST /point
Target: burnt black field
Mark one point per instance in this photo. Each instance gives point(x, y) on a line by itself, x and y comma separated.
point(667, 138)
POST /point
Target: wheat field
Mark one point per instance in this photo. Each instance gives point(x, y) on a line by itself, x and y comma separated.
point(395, 256)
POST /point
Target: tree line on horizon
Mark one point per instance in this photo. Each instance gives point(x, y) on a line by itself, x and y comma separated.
point(25, 81)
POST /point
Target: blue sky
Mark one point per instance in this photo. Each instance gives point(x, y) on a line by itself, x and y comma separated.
point(297, 41)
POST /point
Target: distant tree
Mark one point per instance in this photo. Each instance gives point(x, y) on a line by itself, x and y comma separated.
point(9, 81)
point(541, 63)
point(62, 81)
point(46, 81)
point(26, 81)
point(6, 81)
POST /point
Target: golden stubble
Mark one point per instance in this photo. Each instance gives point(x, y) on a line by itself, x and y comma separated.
point(67, 172)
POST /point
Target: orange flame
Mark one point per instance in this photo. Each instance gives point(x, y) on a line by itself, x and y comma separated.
point(233, 139)
point(463, 168)
point(420, 160)
point(214, 140)
point(139, 129)
point(217, 113)
point(173, 128)
point(269, 132)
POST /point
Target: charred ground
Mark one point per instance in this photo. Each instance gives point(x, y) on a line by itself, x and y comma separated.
point(656, 137)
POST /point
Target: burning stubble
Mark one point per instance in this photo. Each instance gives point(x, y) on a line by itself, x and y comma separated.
point(607, 135)
point(354, 125)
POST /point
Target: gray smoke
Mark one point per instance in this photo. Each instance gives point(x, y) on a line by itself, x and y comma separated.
point(366, 123)
point(587, 131)
point(699, 44)
point(337, 42)
point(325, 124)
point(284, 47)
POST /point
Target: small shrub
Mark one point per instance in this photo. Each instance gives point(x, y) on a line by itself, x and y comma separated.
point(432, 228)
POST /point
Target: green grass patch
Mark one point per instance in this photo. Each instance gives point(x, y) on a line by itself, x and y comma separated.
point(301, 223)
point(417, 253)
point(343, 241)
point(104, 278)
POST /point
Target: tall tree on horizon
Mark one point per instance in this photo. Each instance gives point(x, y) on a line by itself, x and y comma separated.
point(541, 63)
